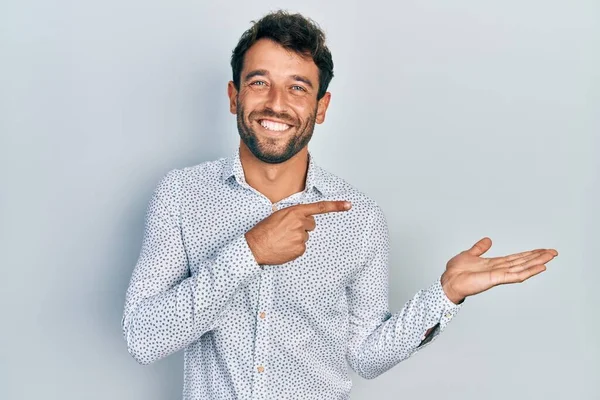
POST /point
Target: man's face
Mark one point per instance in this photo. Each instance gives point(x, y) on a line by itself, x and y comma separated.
point(276, 105)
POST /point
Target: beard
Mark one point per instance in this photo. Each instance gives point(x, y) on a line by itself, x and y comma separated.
point(272, 150)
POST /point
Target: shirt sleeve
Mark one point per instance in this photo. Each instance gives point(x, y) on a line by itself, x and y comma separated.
point(166, 307)
point(379, 339)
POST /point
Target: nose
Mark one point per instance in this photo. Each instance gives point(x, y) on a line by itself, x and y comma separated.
point(276, 99)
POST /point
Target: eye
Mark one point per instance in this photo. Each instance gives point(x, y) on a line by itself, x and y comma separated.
point(297, 87)
point(258, 83)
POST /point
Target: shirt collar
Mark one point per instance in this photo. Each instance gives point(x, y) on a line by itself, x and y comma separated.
point(314, 177)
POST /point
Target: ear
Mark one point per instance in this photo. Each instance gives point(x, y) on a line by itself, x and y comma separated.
point(232, 93)
point(322, 108)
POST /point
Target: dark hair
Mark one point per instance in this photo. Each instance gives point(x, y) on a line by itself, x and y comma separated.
point(294, 32)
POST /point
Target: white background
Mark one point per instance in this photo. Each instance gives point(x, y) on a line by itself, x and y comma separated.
point(461, 119)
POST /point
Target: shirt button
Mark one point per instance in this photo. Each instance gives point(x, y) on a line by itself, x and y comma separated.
point(448, 315)
point(274, 207)
point(261, 369)
point(262, 315)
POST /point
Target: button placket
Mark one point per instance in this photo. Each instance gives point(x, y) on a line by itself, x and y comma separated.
point(262, 345)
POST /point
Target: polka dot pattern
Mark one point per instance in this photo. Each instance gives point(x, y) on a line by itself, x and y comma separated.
point(269, 332)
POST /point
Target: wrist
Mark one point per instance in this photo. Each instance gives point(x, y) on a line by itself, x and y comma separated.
point(449, 291)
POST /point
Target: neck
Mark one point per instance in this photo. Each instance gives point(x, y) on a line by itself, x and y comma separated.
point(275, 181)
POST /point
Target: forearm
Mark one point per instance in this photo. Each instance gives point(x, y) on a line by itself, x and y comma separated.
point(160, 325)
point(401, 334)
point(157, 325)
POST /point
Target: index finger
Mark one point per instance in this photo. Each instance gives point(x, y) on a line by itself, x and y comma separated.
point(325, 206)
point(515, 256)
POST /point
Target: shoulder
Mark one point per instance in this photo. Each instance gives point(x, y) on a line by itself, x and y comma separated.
point(178, 184)
point(338, 188)
point(178, 179)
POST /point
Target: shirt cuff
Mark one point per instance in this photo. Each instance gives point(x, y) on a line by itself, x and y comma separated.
point(238, 259)
point(440, 309)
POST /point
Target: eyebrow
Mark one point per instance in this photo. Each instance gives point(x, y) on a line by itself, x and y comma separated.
point(303, 79)
point(264, 72)
point(256, 72)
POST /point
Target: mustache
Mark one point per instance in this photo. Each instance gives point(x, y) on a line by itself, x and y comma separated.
point(266, 113)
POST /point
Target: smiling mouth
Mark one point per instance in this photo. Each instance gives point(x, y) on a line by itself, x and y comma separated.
point(274, 125)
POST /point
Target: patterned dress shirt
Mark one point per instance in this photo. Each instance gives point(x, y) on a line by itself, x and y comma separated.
point(269, 332)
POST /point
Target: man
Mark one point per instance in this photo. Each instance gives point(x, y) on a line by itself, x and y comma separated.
point(268, 270)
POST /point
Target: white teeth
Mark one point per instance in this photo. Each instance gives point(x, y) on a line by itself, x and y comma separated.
point(273, 126)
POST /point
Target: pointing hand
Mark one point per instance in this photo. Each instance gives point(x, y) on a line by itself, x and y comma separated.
point(282, 236)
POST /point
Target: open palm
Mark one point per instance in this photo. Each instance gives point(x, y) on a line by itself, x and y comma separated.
point(468, 273)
